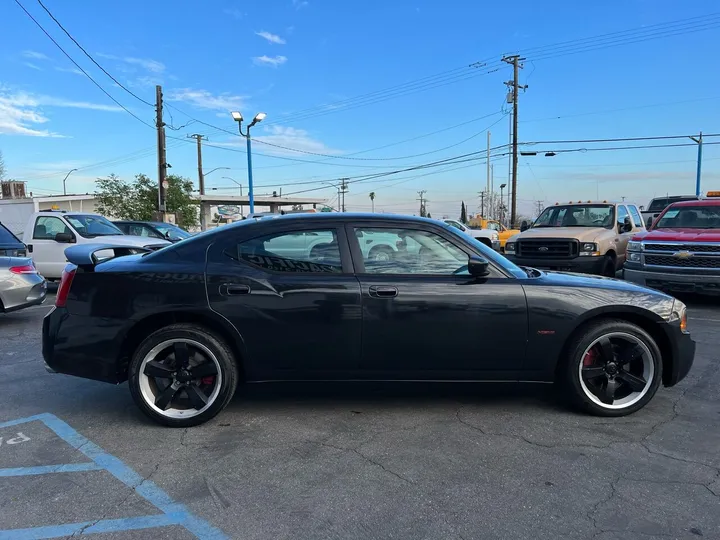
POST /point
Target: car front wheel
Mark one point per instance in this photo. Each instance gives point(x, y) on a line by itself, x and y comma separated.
point(182, 375)
point(612, 368)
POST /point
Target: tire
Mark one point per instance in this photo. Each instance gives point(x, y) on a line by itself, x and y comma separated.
point(381, 254)
point(154, 375)
point(608, 267)
point(587, 378)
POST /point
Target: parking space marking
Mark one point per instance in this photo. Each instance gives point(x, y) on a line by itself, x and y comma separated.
point(703, 319)
point(173, 513)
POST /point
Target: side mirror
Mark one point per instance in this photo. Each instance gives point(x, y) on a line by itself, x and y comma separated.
point(642, 208)
point(64, 238)
point(478, 266)
point(627, 225)
point(524, 226)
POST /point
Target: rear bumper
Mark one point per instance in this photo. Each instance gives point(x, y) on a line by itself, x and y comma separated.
point(31, 293)
point(584, 265)
point(683, 354)
point(674, 282)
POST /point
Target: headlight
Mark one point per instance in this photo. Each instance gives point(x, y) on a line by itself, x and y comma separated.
point(634, 257)
point(495, 236)
point(634, 246)
point(589, 249)
point(679, 313)
point(510, 246)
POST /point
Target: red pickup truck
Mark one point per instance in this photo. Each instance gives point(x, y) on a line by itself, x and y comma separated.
point(680, 252)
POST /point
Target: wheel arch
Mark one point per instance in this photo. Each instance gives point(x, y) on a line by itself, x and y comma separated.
point(646, 320)
point(484, 240)
point(142, 328)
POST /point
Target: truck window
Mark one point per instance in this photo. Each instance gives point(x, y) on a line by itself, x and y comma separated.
point(637, 218)
point(658, 205)
point(622, 213)
point(46, 227)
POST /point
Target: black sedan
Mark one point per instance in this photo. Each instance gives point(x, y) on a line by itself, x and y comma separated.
point(153, 229)
point(305, 297)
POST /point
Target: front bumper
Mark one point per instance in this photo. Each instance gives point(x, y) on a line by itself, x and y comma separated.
point(682, 351)
point(674, 282)
point(583, 265)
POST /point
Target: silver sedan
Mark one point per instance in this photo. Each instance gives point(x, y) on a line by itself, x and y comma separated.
point(20, 284)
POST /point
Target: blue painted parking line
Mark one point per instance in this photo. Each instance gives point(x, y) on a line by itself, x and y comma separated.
point(173, 513)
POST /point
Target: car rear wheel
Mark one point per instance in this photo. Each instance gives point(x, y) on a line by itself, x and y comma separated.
point(612, 368)
point(182, 375)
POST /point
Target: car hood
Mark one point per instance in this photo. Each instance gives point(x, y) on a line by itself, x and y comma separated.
point(681, 235)
point(127, 240)
point(583, 234)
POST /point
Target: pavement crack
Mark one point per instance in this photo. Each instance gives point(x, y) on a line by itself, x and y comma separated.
point(378, 464)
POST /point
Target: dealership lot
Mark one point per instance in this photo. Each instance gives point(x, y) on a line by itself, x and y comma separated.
point(386, 461)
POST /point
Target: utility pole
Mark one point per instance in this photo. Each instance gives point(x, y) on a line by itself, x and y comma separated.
point(422, 201)
point(162, 157)
point(699, 142)
point(488, 188)
point(201, 177)
point(343, 190)
point(540, 205)
point(482, 205)
point(515, 61)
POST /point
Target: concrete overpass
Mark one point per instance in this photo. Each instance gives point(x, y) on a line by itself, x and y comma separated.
point(264, 202)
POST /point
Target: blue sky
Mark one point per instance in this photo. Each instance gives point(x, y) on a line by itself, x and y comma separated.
point(299, 60)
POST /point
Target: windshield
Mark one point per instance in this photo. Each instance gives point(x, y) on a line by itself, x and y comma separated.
point(658, 205)
point(690, 217)
point(577, 215)
point(172, 232)
point(90, 226)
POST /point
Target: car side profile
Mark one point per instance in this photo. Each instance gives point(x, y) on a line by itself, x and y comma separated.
point(300, 298)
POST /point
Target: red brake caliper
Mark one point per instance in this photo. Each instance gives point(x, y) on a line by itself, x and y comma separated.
point(590, 358)
point(208, 380)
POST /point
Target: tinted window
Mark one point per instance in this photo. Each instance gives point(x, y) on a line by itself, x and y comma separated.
point(658, 205)
point(690, 217)
point(622, 213)
point(140, 230)
point(301, 251)
point(46, 227)
point(637, 218)
point(408, 251)
point(6, 237)
point(173, 232)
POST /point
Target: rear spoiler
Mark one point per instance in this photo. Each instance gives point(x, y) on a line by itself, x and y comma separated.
point(84, 256)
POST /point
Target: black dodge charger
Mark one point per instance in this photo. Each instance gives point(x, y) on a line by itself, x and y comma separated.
point(352, 297)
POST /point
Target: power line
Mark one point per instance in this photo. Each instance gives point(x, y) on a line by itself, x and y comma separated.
point(91, 58)
point(621, 139)
point(80, 68)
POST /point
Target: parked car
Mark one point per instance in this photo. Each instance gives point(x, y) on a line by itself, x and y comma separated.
point(153, 229)
point(186, 324)
point(10, 245)
point(588, 237)
point(504, 233)
point(47, 234)
point(20, 284)
point(681, 251)
point(658, 204)
point(489, 237)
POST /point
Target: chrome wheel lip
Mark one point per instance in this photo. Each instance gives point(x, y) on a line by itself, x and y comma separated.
point(149, 395)
point(648, 373)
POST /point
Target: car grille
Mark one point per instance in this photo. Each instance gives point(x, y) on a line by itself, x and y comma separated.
point(547, 248)
point(696, 248)
point(690, 262)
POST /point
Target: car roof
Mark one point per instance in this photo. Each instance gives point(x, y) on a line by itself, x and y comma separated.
point(348, 216)
point(699, 202)
point(139, 221)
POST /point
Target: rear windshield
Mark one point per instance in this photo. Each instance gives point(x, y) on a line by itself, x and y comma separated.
point(690, 217)
point(6, 237)
point(658, 205)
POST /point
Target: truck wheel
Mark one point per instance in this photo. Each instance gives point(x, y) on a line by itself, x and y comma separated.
point(612, 368)
point(182, 375)
point(608, 268)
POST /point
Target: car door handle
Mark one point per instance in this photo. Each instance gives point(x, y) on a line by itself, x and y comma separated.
point(230, 289)
point(379, 291)
point(30, 248)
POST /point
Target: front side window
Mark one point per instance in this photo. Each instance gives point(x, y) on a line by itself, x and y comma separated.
point(298, 251)
point(46, 227)
point(690, 217)
point(455, 224)
point(90, 226)
point(408, 251)
point(622, 214)
point(172, 232)
point(637, 218)
point(576, 215)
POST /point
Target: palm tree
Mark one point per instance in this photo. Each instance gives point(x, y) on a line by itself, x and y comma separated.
point(372, 200)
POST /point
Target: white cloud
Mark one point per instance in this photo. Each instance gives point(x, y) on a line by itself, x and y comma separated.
point(32, 66)
point(273, 61)
point(272, 38)
point(147, 64)
point(72, 70)
point(299, 139)
point(35, 55)
point(202, 99)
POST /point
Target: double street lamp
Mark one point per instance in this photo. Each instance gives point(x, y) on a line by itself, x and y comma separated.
point(259, 117)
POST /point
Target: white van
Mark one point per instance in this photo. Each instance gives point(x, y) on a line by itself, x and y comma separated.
point(47, 234)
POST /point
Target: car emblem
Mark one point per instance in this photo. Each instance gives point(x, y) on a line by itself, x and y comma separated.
point(542, 248)
point(683, 254)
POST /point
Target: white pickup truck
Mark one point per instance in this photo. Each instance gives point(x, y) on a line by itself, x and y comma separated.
point(47, 234)
point(489, 237)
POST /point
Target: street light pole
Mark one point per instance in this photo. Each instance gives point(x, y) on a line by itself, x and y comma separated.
point(699, 141)
point(66, 177)
point(259, 117)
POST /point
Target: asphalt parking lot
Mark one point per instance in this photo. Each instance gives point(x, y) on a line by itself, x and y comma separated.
point(420, 462)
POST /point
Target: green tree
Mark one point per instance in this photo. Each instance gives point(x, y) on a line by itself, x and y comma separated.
point(463, 213)
point(372, 200)
point(138, 200)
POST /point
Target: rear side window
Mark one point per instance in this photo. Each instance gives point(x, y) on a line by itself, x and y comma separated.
point(315, 251)
point(46, 227)
point(637, 218)
point(622, 213)
point(6, 237)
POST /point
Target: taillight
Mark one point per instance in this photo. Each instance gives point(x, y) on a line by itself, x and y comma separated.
point(64, 288)
point(23, 269)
